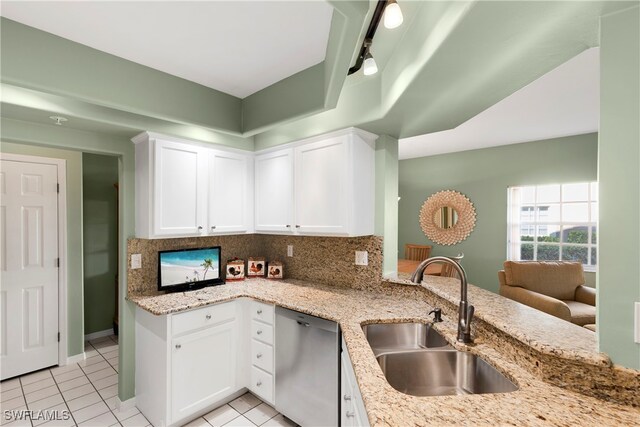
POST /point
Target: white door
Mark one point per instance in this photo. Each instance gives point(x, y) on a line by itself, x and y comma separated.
point(321, 187)
point(29, 253)
point(274, 191)
point(229, 192)
point(180, 189)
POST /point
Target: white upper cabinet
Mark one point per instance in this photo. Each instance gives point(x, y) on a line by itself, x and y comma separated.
point(230, 192)
point(180, 177)
point(274, 191)
point(331, 191)
point(187, 189)
point(321, 186)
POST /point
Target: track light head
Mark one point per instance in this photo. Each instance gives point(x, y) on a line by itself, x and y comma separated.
point(392, 15)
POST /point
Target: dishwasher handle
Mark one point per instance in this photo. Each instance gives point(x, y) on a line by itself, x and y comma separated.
point(305, 324)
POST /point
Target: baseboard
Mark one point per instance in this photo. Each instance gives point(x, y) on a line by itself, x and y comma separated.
point(126, 405)
point(76, 358)
point(99, 334)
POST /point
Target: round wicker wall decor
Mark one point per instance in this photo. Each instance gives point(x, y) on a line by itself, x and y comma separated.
point(464, 222)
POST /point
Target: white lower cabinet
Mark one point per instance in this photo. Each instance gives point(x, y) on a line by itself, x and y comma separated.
point(352, 410)
point(202, 374)
point(261, 348)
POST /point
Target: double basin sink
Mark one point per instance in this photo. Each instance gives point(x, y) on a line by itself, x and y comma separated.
point(418, 361)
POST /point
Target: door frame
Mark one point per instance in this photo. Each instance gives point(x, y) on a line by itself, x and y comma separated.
point(62, 242)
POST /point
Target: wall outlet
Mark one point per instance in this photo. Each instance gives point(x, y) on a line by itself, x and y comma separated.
point(289, 250)
point(362, 258)
point(136, 261)
point(636, 322)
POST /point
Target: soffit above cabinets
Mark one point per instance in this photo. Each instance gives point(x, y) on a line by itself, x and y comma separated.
point(563, 102)
point(236, 47)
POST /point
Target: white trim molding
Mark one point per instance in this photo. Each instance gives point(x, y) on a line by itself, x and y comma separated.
point(75, 358)
point(99, 334)
point(126, 405)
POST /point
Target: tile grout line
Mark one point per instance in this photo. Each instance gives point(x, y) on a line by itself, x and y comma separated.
point(62, 396)
point(24, 397)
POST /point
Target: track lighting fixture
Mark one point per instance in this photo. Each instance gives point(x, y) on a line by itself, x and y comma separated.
point(392, 19)
point(392, 15)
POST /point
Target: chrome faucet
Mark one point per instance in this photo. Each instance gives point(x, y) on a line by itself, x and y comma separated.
point(465, 310)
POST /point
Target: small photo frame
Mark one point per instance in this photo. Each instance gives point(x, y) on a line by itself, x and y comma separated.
point(256, 267)
point(235, 270)
point(275, 270)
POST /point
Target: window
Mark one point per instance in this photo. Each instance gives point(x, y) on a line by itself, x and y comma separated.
point(553, 223)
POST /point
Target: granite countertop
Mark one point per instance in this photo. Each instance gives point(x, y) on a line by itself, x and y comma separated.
point(535, 403)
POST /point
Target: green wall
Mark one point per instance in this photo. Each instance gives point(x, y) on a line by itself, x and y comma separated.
point(619, 176)
point(100, 215)
point(483, 176)
point(75, 332)
point(31, 136)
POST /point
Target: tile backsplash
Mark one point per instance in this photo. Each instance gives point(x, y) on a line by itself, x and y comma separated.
point(326, 260)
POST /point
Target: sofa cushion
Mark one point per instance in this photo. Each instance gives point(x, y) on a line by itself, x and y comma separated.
point(581, 314)
point(556, 279)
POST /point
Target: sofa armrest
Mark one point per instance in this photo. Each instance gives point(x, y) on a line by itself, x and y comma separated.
point(541, 302)
point(586, 295)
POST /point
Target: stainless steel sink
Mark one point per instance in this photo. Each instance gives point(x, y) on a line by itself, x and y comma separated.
point(442, 373)
point(385, 337)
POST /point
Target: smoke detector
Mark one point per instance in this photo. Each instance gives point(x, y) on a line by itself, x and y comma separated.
point(59, 120)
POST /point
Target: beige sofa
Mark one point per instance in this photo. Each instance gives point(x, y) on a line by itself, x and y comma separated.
point(555, 287)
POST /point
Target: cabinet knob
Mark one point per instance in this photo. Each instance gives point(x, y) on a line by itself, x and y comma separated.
point(178, 346)
point(259, 383)
point(351, 414)
point(347, 397)
point(259, 311)
point(259, 332)
point(199, 227)
point(297, 226)
point(288, 225)
point(259, 355)
point(213, 227)
point(208, 316)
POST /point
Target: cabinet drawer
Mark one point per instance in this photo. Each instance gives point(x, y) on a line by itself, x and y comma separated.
point(262, 355)
point(202, 317)
point(263, 312)
point(262, 384)
point(262, 332)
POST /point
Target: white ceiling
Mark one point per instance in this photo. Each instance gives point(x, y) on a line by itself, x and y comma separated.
point(563, 102)
point(237, 47)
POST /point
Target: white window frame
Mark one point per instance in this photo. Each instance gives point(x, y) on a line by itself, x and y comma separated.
point(514, 224)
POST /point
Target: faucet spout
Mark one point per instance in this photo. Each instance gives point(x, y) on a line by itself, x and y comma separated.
point(465, 310)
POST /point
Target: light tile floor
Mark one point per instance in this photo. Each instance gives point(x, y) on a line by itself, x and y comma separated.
point(88, 390)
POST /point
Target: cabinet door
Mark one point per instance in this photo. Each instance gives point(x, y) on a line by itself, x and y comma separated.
point(180, 189)
point(321, 187)
point(229, 192)
point(274, 191)
point(202, 369)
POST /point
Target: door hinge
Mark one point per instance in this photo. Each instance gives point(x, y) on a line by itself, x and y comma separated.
point(57, 262)
point(58, 188)
point(58, 336)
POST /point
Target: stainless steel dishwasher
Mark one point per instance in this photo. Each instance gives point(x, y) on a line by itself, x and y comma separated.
point(307, 368)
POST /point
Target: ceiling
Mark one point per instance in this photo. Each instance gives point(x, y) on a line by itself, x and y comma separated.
point(236, 47)
point(565, 101)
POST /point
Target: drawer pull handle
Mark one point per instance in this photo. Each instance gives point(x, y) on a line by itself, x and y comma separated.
point(347, 397)
point(259, 383)
point(351, 414)
point(259, 355)
point(199, 227)
point(178, 346)
point(288, 225)
point(297, 226)
point(208, 316)
point(213, 227)
point(259, 311)
point(259, 332)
